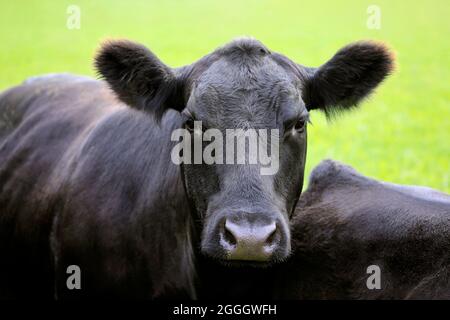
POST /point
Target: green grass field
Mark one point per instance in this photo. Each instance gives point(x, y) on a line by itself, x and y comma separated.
point(401, 134)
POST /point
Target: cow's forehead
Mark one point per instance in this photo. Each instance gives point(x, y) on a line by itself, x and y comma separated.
point(260, 72)
point(241, 63)
point(227, 95)
point(244, 82)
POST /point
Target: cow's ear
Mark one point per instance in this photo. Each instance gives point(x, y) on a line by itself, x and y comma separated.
point(348, 77)
point(138, 77)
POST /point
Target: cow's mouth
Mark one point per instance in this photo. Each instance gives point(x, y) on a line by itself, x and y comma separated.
point(241, 264)
point(245, 263)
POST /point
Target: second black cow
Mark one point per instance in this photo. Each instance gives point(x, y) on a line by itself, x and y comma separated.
point(353, 237)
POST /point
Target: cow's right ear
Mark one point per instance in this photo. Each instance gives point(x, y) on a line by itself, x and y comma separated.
point(139, 78)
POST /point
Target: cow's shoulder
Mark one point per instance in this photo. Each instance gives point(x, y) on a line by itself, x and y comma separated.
point(330, 177)
point(56, 78)
point(338, 195)
point(50, 90)
point(331, 172)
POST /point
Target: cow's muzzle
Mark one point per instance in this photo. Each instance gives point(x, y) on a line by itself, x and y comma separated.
point(249, 237)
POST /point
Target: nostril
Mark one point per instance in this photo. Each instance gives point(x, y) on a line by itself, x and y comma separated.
point(272, 237)
point(228, 236)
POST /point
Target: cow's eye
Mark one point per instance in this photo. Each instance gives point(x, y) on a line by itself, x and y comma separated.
point(189, 124)
point(300, 125)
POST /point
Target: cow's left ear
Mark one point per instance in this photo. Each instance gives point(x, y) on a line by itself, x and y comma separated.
point(348, 77)
point(139, 78)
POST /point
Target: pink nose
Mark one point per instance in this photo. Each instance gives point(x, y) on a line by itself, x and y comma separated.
point(245, 241)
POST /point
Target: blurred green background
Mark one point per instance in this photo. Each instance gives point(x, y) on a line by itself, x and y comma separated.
point(401, 134)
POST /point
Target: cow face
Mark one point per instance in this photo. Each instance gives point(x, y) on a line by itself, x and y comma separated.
point(253, 99)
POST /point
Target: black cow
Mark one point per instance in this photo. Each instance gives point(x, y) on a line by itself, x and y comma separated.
point(345, 227)
point(91, 177)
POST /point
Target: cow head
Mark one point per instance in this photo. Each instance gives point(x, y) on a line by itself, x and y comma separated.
point(242, 85)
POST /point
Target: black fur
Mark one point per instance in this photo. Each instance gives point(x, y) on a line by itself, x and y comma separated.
point(93, 186)
point(86, 180)
point(138, 77)
point(348, 77)
point(343, 223)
